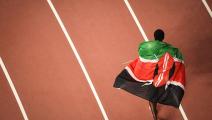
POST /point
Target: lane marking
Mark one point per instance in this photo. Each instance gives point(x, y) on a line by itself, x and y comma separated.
point(207, 7)
point(136, 20)
point(13, 89)
point(146, 39)
point(70, 41)
point(127, 62)
point(183, 112)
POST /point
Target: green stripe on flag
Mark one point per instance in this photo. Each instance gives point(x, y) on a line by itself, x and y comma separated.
point(156, 49)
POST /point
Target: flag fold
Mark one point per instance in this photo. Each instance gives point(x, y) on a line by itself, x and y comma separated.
point(157, 75)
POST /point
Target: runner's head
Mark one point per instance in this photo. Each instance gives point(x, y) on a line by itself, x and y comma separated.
point(159, 35)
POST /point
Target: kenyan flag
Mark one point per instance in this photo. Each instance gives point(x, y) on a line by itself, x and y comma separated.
point(157, 75)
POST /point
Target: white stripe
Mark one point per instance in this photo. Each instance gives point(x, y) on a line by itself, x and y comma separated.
point(139, 80)
point(134, 77)
point(13, 89)
point(127, 62)
point(136, 20)
point(207, 7)
point(165, 63)
point(183, 112)
point(78, 59)
point(175, 83)
point(159, 79)
point(156, 60)
point(178, 60)
point(146, 39)
point(147, 60)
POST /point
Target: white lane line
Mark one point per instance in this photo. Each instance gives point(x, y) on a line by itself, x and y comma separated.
point(127, 62)
point(207, 7)
point(13, 89)
point(146, 39)
point(78, 59)
point(136, 20)
point(183, 112)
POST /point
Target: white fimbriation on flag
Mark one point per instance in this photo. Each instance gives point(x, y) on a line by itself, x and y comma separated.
point(13, 89)
point(146, 39)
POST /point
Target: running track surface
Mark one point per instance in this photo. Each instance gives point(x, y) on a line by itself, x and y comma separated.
point(49, 80)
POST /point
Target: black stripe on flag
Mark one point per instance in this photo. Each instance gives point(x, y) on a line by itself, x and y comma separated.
point(171, 96)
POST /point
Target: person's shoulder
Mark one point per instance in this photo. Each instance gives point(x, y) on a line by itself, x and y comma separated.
point(172, 47)
point(147, 44)
point(175, 51)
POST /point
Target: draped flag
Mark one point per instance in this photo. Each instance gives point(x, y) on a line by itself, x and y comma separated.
point(157, 75)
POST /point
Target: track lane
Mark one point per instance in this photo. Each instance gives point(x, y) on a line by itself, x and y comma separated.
point(9, 107)
point(45, 72)
point(187, 26)
point(102, 31)
point(97, 28)
point(110, 31)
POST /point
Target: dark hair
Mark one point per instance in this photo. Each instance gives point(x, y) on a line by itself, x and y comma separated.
point(159, 35)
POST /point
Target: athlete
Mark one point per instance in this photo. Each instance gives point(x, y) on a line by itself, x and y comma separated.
point(157, 75)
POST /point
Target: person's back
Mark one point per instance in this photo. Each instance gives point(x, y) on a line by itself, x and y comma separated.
point(158, 75)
